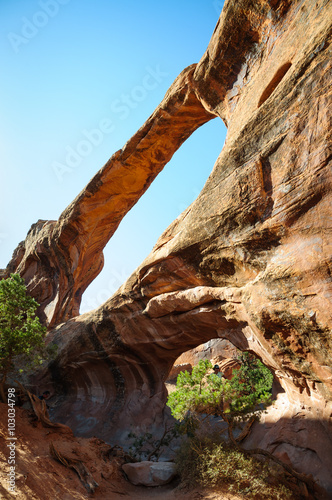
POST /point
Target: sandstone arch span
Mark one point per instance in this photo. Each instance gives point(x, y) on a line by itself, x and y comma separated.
point(59, 259)
point(116, 382)
point(250, 259)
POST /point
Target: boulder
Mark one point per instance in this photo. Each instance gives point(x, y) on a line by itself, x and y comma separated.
point(150, 473)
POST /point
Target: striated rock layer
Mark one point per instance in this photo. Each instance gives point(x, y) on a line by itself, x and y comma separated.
point(249, 261)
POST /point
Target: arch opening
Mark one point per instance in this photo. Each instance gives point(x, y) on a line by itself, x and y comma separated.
point(173, 190)
point(218, 351)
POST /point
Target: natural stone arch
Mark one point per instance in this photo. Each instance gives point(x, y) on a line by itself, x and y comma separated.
point(120, 378)
point(256, 240)
point(59, 259)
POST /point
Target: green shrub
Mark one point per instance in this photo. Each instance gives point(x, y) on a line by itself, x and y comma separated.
point(21, 333)
point(212, 463)
point(246, 395)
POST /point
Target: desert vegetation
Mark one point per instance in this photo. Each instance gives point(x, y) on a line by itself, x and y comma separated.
point(21, 332)
point(216, 458)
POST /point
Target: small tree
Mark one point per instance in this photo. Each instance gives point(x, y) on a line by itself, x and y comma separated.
point(240, 399)
point(21, 332)
point(243, 397)
point(251, 385)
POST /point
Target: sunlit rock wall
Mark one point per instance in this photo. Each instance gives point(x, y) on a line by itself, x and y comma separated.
point(248, 261)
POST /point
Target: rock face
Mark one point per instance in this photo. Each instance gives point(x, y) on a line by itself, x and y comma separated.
point(249, 261)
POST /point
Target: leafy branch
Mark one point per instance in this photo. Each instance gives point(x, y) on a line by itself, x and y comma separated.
point(21, 333)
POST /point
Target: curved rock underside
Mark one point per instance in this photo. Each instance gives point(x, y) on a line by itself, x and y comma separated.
point(249, 261)
point(217, 351)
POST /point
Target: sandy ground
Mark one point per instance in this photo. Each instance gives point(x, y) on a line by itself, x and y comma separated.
point(39, 477)
point(172, 493)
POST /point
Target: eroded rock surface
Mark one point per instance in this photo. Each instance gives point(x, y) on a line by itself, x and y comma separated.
point(248, 261)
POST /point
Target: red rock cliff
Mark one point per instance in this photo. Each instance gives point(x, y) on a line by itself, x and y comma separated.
point(248, 261)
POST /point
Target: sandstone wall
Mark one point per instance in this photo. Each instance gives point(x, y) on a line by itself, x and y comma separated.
point(248, 261)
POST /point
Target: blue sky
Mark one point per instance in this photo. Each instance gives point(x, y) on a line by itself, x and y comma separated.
point(72, 67)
